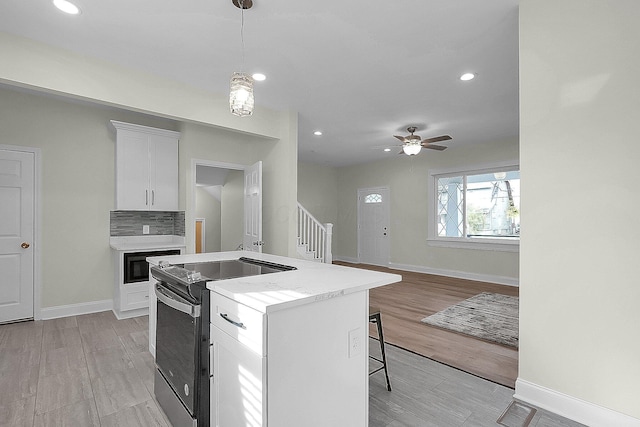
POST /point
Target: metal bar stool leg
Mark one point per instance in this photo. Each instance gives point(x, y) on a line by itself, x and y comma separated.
point(375, 317)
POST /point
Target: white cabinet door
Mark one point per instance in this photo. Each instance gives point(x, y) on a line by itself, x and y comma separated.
point(238, 395)
point(163, 173)
point(132, 171)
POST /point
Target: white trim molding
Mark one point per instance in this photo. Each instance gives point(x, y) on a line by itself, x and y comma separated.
point(76, 309)
point(501, 280)
point(484, 243)
point(571, 407)
point(346, 259)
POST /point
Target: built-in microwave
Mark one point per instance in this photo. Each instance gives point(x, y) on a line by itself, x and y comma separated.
point(136, 267)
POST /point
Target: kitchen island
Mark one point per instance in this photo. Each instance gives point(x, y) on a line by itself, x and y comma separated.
point(288, 348)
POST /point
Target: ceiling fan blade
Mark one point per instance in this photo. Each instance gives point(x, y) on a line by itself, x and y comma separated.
point(401, 152)
point(436, 139)
point(401, 138)
point(434, 147)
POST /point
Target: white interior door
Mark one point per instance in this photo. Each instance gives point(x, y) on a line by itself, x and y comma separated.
point(17, 180)
point(252, 238)
point(373, 226)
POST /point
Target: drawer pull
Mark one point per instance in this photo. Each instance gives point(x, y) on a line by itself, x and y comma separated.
point(225, 316)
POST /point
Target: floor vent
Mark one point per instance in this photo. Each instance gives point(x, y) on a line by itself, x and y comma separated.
point(517, 414)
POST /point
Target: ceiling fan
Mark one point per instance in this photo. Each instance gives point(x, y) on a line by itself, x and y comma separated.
point(412, 144)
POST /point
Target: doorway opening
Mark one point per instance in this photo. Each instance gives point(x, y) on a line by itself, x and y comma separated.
point(228, 199)
point(218, 191)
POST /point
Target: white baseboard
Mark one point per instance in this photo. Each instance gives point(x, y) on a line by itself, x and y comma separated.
point(345, 259)
point(75, 309)
point(120, 315)
point(501, 280)
point(571, 407)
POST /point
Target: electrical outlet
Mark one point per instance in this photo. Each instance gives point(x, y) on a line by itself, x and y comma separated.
point(145, 229)
point(355, 342)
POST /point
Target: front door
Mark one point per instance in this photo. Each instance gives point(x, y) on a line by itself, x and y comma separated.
point(373, 226)
point(17, 205)
point(252, 238)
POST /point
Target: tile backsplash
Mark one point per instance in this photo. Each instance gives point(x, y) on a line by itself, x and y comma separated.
point(129, 223)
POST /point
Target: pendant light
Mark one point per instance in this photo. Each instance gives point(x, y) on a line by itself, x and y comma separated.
point(241, 99)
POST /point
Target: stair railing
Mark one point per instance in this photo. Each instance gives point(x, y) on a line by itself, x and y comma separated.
point(315, 236)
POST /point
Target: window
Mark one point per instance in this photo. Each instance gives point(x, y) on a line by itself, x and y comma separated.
point(373, 198)
point(478, 208)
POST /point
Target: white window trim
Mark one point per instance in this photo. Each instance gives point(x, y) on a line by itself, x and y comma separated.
point(502, 245)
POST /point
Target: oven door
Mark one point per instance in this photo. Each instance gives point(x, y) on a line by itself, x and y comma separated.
point(177, 335)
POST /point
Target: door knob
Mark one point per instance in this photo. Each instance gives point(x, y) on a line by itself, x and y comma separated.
point(24, 245)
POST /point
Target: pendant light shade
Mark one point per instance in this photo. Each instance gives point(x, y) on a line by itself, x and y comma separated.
point(241, 95)
point(411, 148)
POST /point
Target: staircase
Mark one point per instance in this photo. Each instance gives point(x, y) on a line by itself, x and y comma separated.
point(314, 238)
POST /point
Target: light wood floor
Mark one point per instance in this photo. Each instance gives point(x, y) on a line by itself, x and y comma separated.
point(95, 371)
point(426, 393)
point(90, 370)
point(403, 305)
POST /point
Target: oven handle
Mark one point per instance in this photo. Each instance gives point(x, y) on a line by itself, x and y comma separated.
point(174, 301)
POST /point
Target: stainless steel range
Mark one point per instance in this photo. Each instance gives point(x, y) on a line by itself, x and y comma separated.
point(182, 333)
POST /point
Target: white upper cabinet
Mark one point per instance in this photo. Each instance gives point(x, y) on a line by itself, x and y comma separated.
point(146, 168)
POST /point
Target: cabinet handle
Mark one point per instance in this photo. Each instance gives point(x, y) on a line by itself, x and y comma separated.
point(153, 197)
point(146, 197)
point(225, 316)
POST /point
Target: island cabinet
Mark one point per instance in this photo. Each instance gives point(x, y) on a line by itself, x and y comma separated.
point(146, 168)
point(303, 365)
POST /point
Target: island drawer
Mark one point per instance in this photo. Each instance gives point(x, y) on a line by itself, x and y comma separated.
point(240, 322)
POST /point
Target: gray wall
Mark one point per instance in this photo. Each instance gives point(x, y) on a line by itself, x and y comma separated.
point(78, 184)
point(318, 191)
point(232, 211)
point(580, 121)
point(208, 208)
point(330, 194)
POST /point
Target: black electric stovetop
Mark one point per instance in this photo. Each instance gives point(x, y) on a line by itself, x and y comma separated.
point(191, 278)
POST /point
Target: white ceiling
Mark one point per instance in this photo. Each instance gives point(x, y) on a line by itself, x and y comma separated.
point(359, 71)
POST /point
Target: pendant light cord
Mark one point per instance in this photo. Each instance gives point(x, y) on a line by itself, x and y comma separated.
point(242, 30)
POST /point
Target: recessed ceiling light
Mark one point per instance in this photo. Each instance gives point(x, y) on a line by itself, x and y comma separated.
point(317, 133)
point(387, 149)
point(259, 77)
point(467, 76)
point(66, 7)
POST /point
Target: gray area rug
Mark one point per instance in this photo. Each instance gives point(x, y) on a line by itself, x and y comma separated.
point(488, 316)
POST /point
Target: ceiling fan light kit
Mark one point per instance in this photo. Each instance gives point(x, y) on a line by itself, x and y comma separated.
point(413, 144)
point(411, 148)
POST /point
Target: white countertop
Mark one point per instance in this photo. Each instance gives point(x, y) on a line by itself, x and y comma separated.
point(311, 281)
point(144, 243)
